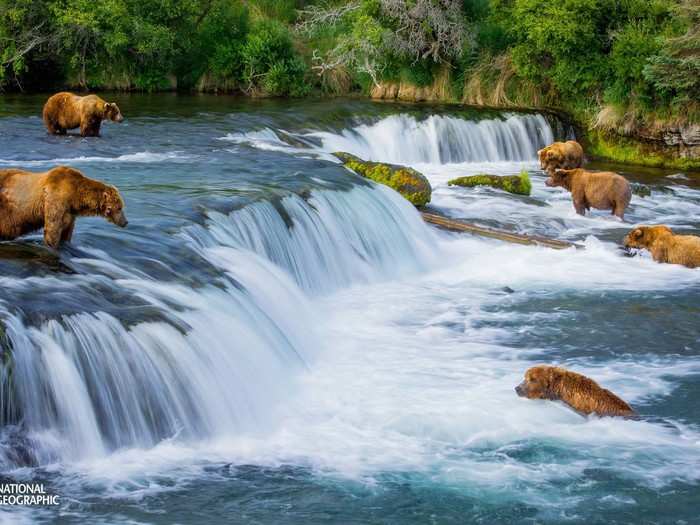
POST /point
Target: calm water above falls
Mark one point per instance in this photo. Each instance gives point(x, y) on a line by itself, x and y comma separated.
point(273, 339)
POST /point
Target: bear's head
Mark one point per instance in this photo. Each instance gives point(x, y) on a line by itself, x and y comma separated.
point(113, 207)
point(549, 158)
point(644, 236)
point(561, 178)
point(112, 112)
point(539, 382)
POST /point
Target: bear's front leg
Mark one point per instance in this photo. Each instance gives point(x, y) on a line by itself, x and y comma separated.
point(580, 206)
point(67, 233)
point(56, 219)
point(90, 128)
point(52, 236)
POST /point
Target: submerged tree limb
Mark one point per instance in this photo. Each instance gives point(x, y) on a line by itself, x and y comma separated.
point(517, 238)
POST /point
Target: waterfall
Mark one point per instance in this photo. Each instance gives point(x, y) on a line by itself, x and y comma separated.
point(218, 359)
point(403, 139)
point(328, 239)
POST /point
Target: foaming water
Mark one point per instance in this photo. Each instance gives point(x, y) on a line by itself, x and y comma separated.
point(406, 139)
point(443, 140)
point(99, 385)
point(330, 239)
point(141, 157)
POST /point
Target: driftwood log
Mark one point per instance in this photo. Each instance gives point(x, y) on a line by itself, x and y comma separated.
point(460, 226)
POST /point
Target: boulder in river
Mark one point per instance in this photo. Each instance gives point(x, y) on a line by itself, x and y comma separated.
point(640, 190)
point(411, 184)
point(518, 184)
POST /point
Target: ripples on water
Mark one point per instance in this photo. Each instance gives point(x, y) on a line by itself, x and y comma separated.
point(275, 339)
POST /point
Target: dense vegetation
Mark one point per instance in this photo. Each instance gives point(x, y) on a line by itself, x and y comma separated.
point(613, 62)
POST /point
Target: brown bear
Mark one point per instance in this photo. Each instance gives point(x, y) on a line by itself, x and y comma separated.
point(52, 200)
point(567, 155)
point(65, 111)
point(603, 190)
point(665, 247)
point(581, 393)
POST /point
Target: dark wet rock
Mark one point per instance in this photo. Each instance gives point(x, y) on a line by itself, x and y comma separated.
point(640, 190)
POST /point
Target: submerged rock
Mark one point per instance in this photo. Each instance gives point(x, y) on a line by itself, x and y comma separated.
point(412, 185)
point(518, 184)
point(640, 190)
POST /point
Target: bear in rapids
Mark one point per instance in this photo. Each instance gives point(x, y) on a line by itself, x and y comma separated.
point(581, 393)
point(665, 246)
point(603, 190)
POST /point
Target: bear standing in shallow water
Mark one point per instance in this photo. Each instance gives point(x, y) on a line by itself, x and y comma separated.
point(602, 190)
point(52, 200)
point(65, 111)
point(581, 393)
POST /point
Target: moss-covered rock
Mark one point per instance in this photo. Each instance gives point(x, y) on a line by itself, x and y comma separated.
point(407, 181)
point(519, 184)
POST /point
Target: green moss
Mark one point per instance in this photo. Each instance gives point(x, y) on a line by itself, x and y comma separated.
point(518, 184)
point(629, 151)
point(411, 184)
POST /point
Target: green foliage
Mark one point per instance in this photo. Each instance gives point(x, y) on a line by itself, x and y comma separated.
point(25, 38)
point(216, 45)
point(282, 10)
point(675, 71)
point(632, 49)
point(270, 66)
point(641, 57)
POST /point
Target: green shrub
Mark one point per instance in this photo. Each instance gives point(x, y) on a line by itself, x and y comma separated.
point(270, 64)
point(632, 48)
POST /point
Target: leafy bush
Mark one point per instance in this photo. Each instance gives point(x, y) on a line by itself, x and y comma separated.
point(632, 48)
point(26, 42)
point(675, 71)
point(270, 64)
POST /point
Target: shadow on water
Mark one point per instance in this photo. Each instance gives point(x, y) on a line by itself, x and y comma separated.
point(28, 258)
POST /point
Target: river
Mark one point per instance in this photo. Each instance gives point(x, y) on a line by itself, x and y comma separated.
point(273, 339)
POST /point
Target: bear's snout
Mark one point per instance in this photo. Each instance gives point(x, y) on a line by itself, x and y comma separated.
point(549, 182)
point(120, 220)
point(521, 389)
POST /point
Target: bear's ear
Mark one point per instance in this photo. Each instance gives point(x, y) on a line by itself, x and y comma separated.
point(106, 202)
point(637, 233)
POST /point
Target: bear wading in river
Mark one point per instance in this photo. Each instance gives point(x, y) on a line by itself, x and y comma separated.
point(665, 246)
point(65, 111)
point(566, 155)
point(52, 200)
point(603, 190)
point(581, 393)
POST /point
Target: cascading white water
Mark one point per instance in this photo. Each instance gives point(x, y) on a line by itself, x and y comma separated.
point(329, 240)
point(438, 139)
point(222, 356)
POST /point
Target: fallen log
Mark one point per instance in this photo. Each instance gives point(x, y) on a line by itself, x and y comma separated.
point(519, 238)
